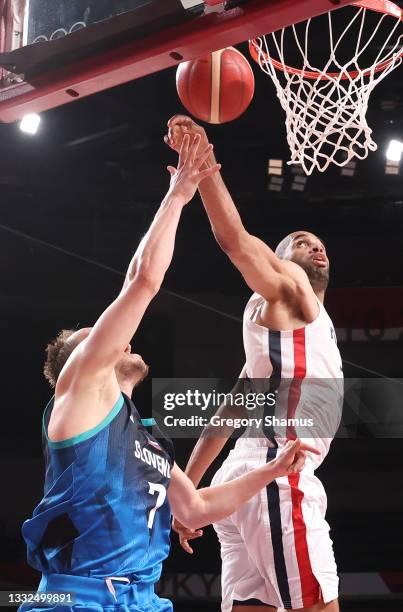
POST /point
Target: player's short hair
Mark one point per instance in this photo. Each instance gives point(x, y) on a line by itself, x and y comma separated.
point(57, 353)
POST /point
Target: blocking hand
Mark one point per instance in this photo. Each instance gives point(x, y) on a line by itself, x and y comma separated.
point(186, 177)
point(178, 126)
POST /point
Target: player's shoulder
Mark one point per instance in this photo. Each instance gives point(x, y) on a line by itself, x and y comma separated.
point(297, 284)
point(77, 408)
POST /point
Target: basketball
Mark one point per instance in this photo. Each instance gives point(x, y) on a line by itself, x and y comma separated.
point(217, 87)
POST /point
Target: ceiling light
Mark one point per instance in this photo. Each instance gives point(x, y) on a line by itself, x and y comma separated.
point(394, 151)
point(30, 123)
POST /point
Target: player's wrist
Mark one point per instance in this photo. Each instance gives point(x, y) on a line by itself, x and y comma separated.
point(210, 162)
point(274, 469)
point(175, 199)
point(195, 479)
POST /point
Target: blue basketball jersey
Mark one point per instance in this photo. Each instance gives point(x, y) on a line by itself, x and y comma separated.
point(105, 510)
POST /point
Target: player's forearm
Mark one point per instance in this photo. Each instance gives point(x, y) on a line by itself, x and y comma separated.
point(119, 322)
point(225, 221)
point(155, 251)
point(204, 453)
point(218, 502)
point(213, 438)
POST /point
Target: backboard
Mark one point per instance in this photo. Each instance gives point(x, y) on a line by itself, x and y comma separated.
point(55, 51)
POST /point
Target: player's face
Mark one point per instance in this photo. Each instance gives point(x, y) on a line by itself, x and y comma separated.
point(309, 252)
point(131, 366)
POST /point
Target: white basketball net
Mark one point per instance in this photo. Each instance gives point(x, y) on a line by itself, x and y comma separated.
point(326, 107)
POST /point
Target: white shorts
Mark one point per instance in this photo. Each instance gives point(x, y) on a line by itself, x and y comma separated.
point(276, 549)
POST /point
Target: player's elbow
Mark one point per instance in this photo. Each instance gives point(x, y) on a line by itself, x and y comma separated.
point(148, 281)
point(194, 515)
point(233, 243)
point(224, 242)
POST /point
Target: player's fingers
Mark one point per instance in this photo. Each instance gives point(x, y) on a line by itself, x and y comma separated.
point(299, 462)
point(291, 447)
point(204, 156)
point(180, 120)
point(168, 141)
point(309, 448)
point(209, 172)
point(194, 148)
point(174, 138)
point(184, 152)
point(186, 533)
point(197, 533)
point(194, 535)
point(185, 545)
point(171, 170)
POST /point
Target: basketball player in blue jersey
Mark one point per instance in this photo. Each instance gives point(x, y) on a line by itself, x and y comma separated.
point(101, 531)
point(276, 550)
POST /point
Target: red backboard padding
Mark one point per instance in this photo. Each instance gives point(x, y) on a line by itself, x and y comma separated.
point(155, 52)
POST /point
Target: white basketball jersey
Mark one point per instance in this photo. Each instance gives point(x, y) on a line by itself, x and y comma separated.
point(303, 368)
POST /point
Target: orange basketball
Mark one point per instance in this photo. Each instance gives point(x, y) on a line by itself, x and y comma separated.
point(217, 87)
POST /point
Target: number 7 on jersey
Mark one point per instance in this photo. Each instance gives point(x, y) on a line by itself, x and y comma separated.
point(161, 495)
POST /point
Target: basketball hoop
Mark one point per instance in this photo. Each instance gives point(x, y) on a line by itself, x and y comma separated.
point(326, 106)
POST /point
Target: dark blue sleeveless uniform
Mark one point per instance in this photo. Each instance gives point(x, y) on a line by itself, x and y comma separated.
point(102, 528)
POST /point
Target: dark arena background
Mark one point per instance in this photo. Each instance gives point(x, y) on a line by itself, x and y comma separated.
point(77, 197)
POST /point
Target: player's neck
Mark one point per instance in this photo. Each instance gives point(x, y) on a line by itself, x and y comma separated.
point(319, 286)
point(126, 387)
point(320, 294)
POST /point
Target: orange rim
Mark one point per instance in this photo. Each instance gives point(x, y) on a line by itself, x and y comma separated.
point(380, 6)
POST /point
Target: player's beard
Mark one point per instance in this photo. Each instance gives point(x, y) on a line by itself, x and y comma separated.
point(318, 276)
point(132, 368)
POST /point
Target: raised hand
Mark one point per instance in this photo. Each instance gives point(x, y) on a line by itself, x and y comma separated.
point(186, 177)
point(292, 457)
point(178, 126)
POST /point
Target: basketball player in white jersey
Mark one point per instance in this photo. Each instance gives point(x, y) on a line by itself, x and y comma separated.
point(276, 550)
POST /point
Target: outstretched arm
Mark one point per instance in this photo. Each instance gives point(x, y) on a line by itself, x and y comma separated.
point(98, 354)
point(262, 270)
point(196, 508)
